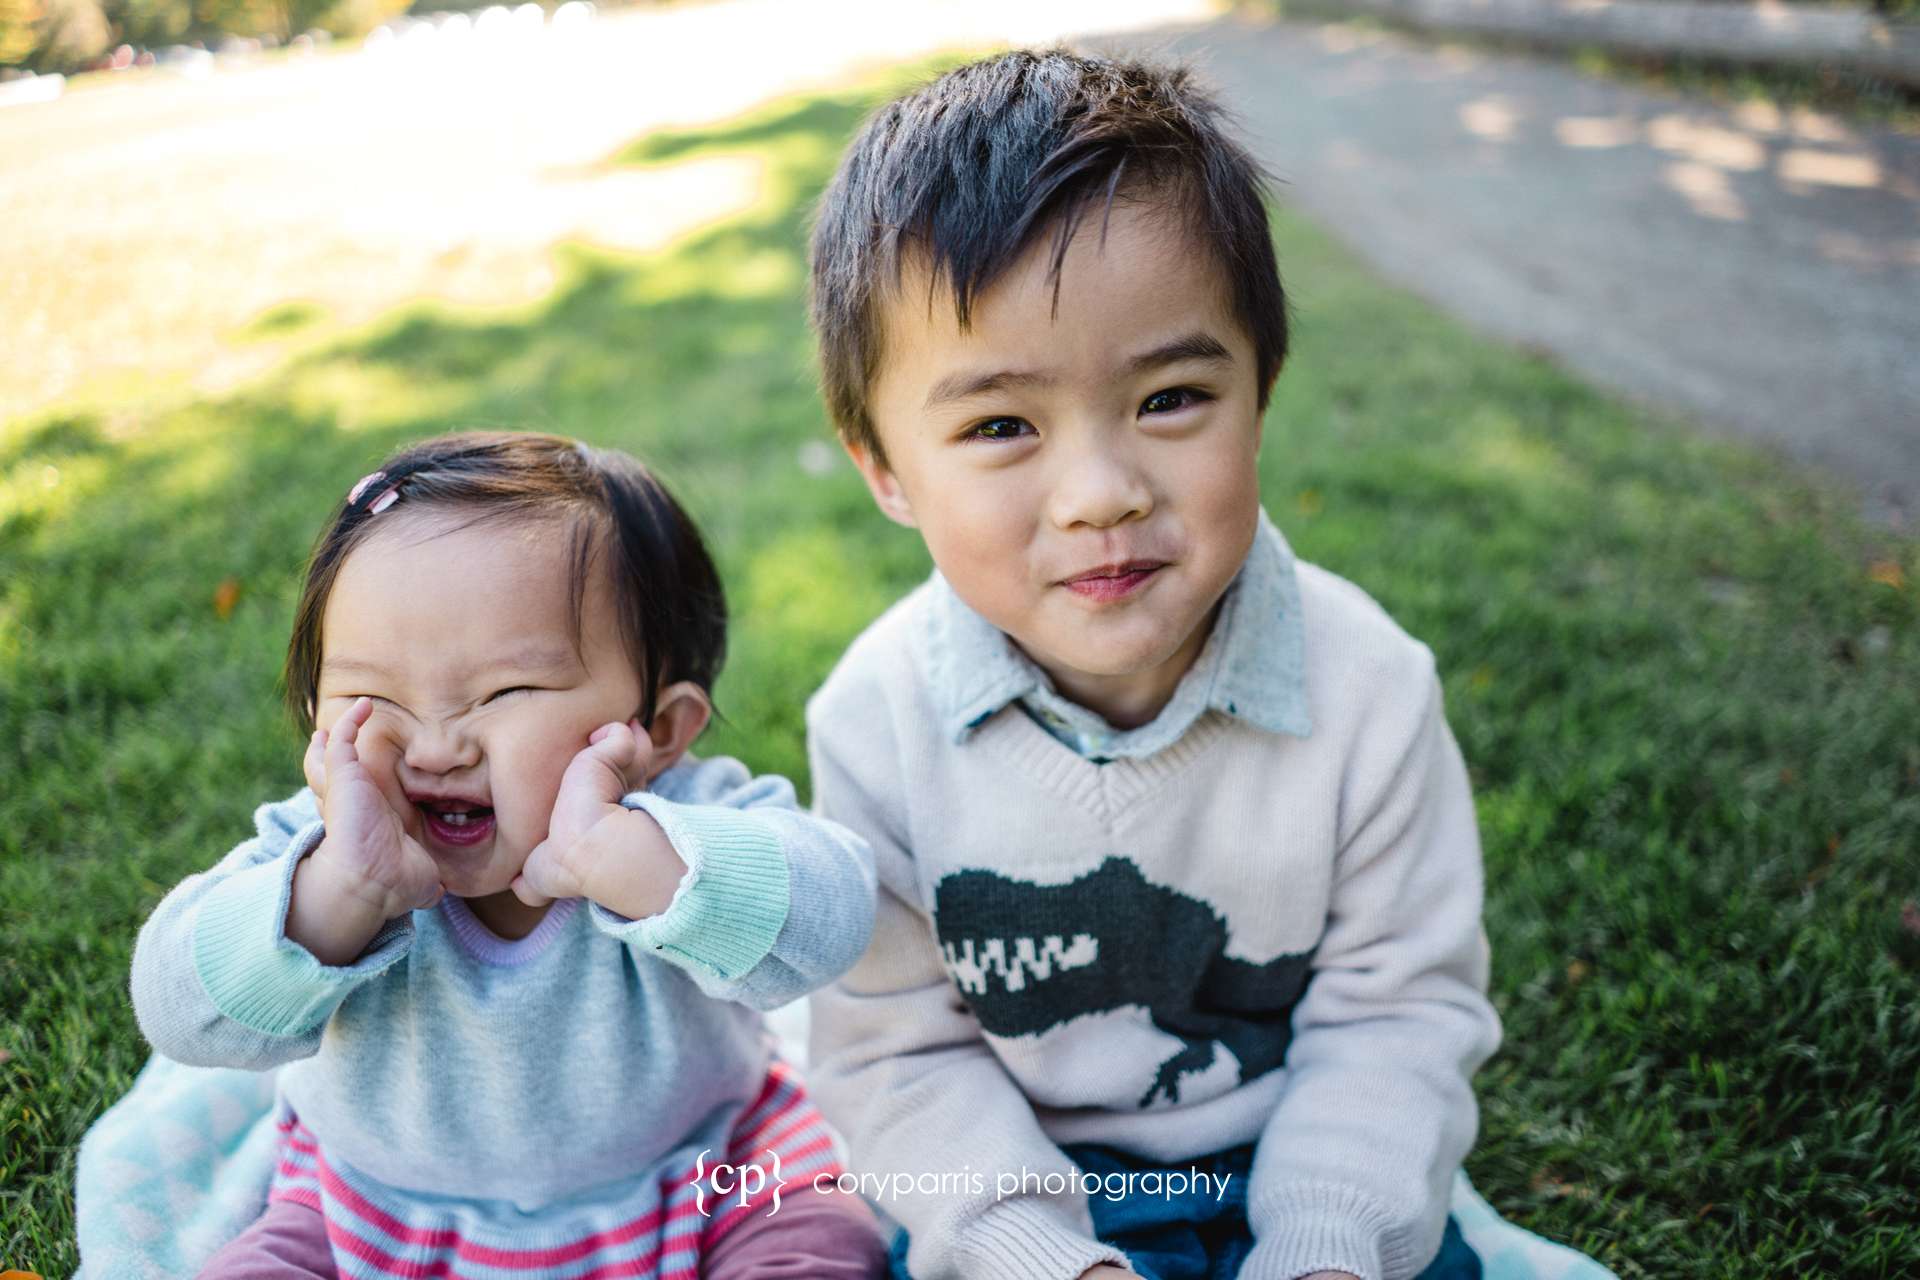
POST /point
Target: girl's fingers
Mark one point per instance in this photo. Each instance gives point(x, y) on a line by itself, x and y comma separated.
point(314, 763)
point(617, 743)
point(340, 753)
point(340, 756)
point(526, 893)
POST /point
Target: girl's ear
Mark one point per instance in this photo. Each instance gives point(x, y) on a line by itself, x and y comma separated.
point(679, 714)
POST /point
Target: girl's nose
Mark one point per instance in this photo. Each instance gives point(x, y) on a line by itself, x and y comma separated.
point(440, 748)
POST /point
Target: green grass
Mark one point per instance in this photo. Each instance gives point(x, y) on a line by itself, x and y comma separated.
point(1686, 681)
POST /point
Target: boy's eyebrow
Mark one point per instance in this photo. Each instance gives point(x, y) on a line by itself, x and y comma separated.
point(1190, 346)
point(959, 386)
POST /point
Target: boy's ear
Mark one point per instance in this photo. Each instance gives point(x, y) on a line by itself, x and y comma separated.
point(882, 484)
point(679, 714)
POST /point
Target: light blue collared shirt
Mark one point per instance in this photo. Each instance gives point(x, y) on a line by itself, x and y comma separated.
point(1252, 666)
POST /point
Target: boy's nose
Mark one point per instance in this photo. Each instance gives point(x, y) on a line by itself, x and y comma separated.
point(1100, 488)
point(437, 748)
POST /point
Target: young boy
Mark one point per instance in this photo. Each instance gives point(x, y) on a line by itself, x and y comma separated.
point(1180, 883)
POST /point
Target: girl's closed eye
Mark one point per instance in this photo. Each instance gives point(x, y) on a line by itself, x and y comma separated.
point(502, 694)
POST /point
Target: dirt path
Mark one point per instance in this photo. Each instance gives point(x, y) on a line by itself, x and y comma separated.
point(1758, 272)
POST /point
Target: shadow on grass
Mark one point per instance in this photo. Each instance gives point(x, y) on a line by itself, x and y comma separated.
point(1685, 681)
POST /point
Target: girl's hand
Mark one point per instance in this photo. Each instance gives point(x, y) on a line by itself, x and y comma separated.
point(562, 865)
point(367, 854)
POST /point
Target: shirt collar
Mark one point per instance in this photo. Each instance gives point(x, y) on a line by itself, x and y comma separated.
point(1252, 667)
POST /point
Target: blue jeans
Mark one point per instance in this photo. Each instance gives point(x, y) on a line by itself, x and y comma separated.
point(1194, 1235)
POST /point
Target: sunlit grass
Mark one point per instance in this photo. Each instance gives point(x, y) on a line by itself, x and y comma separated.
point(1686, 683)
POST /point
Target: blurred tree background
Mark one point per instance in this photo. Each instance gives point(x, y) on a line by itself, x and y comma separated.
point(64, 36)
point(74, 35)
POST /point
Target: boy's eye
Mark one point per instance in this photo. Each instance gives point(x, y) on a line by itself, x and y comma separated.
point(998, 429)
point(1171, 400)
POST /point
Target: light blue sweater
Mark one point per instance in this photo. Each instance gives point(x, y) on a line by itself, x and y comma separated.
point(448, 1061)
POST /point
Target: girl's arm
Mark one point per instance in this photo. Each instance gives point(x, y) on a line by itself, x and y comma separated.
point(773, 902)
point(217, 982)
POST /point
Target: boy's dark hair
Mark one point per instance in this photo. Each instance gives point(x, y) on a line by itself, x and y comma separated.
point(972, 168)
point(666, 592)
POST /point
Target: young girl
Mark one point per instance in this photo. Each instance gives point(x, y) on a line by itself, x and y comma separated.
point(512, 936)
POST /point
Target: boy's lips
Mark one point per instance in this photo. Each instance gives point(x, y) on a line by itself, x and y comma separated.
point(1113, 581)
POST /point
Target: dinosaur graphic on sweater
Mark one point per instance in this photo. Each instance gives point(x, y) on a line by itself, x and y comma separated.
point(1028, 957)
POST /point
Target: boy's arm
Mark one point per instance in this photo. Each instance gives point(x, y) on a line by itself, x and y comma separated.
point(217, 983)
point(898, 1064)
point(1352, 1172)
point(774, 901)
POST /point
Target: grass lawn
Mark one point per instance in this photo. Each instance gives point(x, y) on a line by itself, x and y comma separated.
point(1687, 683)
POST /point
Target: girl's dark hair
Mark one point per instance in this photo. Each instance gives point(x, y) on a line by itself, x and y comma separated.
point(977, 166)
point(667, 595)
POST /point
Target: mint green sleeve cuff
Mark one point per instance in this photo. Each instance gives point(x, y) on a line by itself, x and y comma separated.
point(257, 976)
point(730, 904)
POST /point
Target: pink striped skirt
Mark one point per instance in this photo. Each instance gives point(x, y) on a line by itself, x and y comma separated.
point(659, 1227)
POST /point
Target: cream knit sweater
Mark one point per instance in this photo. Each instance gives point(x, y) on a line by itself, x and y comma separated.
point(1246, 936)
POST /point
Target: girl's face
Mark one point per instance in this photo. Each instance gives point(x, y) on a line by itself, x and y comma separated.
point(482, 693)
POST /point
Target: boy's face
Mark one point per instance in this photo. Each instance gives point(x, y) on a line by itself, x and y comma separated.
point(1084, 478)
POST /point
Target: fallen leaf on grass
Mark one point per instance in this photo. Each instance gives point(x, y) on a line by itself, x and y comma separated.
point(1825, 868)
point(1887, 573)
point(1903, 943)
point(225, 596)
point(1544, 1182)
point(1577, 971)
point(5, 1057)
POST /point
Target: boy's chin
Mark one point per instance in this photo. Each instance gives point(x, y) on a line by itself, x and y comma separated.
point(1113, 657)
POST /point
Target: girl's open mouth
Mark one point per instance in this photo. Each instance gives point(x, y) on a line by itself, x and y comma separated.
point(458, 826)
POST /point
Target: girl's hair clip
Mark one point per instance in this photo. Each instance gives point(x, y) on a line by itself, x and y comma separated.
point(387, 496)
